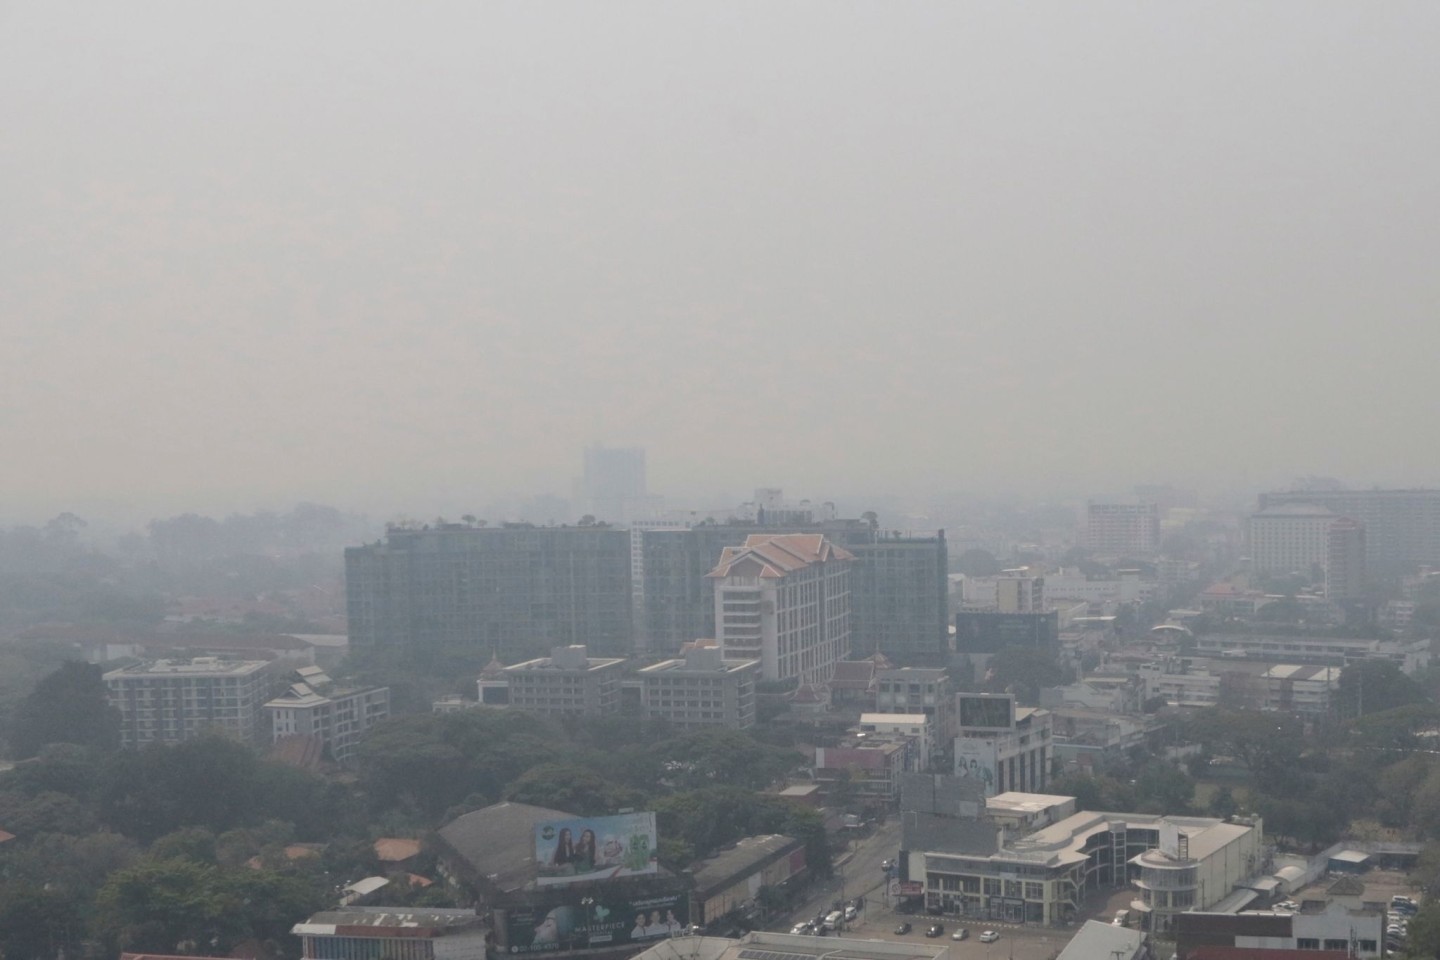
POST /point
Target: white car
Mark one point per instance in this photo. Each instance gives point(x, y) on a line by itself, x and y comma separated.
point(989, 936)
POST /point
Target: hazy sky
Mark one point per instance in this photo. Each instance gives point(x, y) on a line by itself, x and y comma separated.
point(387, 254)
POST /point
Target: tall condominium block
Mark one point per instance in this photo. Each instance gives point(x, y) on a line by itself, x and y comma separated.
point(1402, 527)
point(1122, 529)
point(701, 689)
point(515, 590)
point(168, 701)
point(784, 600)
point(1345, 573)
point(897, 594)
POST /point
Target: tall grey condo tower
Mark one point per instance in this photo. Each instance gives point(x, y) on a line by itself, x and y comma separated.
point(613, 486)
point(515, 591)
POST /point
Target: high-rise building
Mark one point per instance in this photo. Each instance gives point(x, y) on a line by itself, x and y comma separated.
point(784, 599)
point(613, 486)
point(515, 590)
point(1345, 577)
point(167, 701)
point(1122, 529)
point(1402, 527)
point(898, 591)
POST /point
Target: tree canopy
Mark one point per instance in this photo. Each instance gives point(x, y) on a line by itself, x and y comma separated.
point(70, 705)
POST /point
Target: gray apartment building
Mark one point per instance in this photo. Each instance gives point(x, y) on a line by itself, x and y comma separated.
point(701, 689)
point(515, 590)
point(1402, 527)
point(569, 682)
point(167, 701)
point(897, 596)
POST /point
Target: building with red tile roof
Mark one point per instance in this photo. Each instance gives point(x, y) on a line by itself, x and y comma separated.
point(784, 600)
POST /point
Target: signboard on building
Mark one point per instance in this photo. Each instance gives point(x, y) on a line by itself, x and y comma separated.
point(975, 759)
point(595, 848)
point(596, 921)
point(987, 711)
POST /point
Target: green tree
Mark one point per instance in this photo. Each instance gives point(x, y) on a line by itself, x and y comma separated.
point(70, 705)
point(1423, 932)
point(1025, 670)
point(1374, 686)
point(574, 789)
point(210, 782)
point(977, 563)
point(37, 923)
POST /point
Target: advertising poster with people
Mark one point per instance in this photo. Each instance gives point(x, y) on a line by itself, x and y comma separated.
point(595, 848)
point(595, 922)
point(975, 758)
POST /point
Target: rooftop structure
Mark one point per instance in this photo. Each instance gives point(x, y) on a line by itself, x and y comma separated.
point(1104, 941)
point(399, 932)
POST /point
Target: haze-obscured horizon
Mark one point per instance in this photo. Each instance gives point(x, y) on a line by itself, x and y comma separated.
point(387, 255)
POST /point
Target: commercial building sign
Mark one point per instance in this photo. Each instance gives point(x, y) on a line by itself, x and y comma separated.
point(595, 848)
point(975, 759)
point(987, 711)
point(596, 921)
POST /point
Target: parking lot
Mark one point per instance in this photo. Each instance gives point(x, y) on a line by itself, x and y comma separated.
point(878, 922)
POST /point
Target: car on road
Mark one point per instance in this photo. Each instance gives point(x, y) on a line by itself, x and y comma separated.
point(903, 929)
point(935, 930)
point(960, 934)
point(989, 936)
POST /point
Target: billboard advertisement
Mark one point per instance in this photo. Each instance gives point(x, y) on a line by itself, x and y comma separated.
point(596, 921)
point(595, 848)
point(994, 712)
point(976, 759)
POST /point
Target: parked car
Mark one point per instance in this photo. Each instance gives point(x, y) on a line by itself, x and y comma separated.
point(903, 929)
point(960, 934)
point(989, 936)
point(800, 929)
point(851, 913)
point(935, 930)
point(888, 865)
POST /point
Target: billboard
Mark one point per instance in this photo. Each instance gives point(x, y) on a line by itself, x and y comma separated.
point(595, 848)
point(596, 921)
point(993, 712)
point(976, 759)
